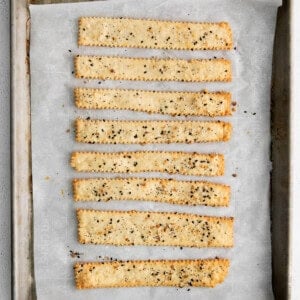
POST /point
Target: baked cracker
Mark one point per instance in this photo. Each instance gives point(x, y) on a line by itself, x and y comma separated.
point(152, 69)
point(128, 228)
point(173, 103)
point(186, 163)
point(150, 132)
point(152, 189)
point(156, 34)
point(134, 273)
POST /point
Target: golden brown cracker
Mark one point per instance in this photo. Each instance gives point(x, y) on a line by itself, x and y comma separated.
point(152, 69)
point(157, 34)
point(152, 189)
point(128, 228)
point(186, 163)
point(202, 103)
point(150, 132)
point(133, 273)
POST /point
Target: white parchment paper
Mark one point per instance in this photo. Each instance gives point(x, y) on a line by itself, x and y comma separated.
point(53, 45)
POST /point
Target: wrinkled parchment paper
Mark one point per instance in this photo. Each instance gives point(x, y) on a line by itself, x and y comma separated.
point(53, 45)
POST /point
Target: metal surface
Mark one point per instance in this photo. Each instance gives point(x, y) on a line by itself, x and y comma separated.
point(280, 192)
point(5, 194)
point(22, 214)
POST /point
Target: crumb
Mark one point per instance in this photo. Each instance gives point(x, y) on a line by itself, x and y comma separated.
point(74, 254)
point(99, 82)
point(245, 111)
point(254, 113)
point(234, 48)
point(188, 290)
point(68, 130)
point(70, 50)
point(72, 72)
point(47, 177)
point(234, 175)
point(233, 103)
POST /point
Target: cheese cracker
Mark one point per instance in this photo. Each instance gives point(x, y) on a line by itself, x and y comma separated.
point(150, 132)
point(151, 189)
point(186, 163)
point(134, 273)
point(173, 103)
point(128, 228)
point(157, 34)
point(153, 69)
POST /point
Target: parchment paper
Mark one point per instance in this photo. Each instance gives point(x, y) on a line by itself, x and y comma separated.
point(53, 45)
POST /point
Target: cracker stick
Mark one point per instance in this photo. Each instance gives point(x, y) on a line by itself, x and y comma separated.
point(157, 34)
point(132, 273)
point(155, 69)
point(186, 163)
point(150, 132)
point(152, 189)
point(128, 228)
point(173, 103)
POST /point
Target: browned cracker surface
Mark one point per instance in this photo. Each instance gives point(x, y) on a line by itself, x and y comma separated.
point(130, 228)
point(132, 273)
point(155, 69)
point(143, 33)
point(173, 103)
point(151, 189)
point(150, 132)
point(186, 163)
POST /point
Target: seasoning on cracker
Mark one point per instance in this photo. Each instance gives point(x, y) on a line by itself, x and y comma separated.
point(150, 132)
point(129, 228)
point(133, 273)
point(151, 189)
point(157, 34)
point(186, 163)
point(152, 69)
point(173, 103)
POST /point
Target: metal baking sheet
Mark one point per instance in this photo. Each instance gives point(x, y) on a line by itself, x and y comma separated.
point(22, 201)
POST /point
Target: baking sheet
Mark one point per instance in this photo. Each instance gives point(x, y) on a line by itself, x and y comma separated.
point(53, 45)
